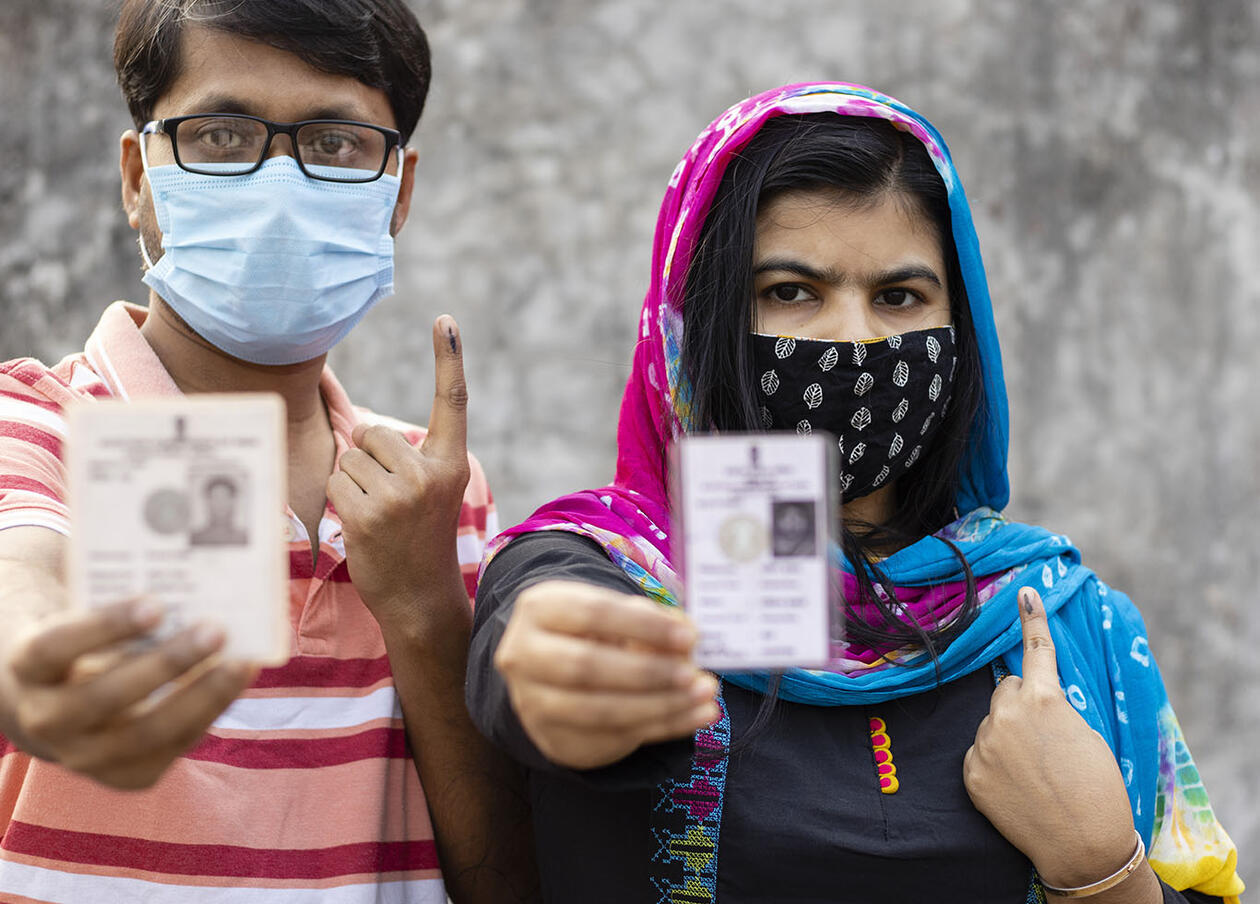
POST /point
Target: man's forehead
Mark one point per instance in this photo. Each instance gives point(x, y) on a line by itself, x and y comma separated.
point(226, 73)
point(217, 101)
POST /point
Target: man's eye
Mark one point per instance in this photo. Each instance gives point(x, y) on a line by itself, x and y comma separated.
point(221, 138)
point(329, 144)
point(332, 144)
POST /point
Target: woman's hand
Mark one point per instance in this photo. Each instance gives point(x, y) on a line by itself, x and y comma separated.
point(1046, 780)
point(593, 674)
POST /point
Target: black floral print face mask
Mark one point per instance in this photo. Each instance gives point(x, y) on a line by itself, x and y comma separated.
point(882, 398)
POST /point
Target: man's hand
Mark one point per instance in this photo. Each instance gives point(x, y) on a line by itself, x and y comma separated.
point(399, 505)
point(399, 509)
point(78, 699)
point(1046, 780)
point(593, 674)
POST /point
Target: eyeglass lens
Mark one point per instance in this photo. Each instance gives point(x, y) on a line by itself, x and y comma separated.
point(227, 145)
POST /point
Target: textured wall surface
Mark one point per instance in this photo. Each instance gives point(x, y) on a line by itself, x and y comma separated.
point(1111, 149)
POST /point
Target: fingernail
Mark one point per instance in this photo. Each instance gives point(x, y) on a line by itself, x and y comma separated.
point(1026, 596)
point(682, 636)
point(207, 638)
point(447, 323)
point(703, 688)
point(146, 613)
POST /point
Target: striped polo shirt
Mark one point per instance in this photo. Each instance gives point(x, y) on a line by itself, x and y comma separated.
point(303, 790)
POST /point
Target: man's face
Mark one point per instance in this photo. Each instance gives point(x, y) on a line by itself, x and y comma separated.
point(223, 73)
point(221, 503)
point(793, 523)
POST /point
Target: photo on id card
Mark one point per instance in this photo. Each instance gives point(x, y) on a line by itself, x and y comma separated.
point(756, 517)
point(182, 500)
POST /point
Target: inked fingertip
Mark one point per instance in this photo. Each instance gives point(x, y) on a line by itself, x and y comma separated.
point(449, 328)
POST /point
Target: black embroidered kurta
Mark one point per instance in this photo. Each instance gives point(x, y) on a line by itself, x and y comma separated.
point(804, 820)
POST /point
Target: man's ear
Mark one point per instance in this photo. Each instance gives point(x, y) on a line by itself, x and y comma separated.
point(131, 168)
point(407, 180)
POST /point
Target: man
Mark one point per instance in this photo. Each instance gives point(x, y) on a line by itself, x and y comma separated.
point(220, 528)
point(266, 177)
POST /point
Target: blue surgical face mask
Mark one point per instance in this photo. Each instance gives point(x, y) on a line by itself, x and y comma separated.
point(274, 267)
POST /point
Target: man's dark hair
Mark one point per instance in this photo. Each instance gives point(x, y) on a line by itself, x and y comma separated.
point(220, 481)
point(377, 42)
point(861, 161)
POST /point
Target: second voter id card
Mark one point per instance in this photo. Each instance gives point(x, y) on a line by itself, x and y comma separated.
point(757, 515)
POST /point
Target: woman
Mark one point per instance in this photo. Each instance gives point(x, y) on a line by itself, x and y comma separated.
point(832, 215)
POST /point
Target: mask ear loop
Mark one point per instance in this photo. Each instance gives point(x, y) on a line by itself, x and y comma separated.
point(402, 160)
point(144, 162)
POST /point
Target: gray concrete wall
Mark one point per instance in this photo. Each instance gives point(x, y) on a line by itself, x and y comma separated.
point(1110, 148)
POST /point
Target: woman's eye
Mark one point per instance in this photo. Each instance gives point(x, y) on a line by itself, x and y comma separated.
point(788, 293)
point(897, 298)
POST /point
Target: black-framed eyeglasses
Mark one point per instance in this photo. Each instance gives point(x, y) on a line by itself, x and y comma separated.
point(233, 144)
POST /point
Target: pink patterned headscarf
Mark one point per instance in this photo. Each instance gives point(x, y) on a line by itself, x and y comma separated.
point(630, 519)
point(1100, 640)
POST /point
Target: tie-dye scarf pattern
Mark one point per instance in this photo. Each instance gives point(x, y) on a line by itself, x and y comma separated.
point(1105, 665)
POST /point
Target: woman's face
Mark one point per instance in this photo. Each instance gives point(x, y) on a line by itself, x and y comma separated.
point(825, 269)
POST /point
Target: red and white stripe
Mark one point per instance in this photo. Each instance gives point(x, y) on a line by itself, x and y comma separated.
point(303, 791)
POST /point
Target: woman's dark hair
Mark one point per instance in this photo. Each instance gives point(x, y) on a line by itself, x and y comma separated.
point(377, 42)
point(863, 161)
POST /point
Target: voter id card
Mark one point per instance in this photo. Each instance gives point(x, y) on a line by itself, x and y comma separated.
point(757, 513)
point(182, 500)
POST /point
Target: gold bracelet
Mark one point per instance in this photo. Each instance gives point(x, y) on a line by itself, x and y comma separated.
point(1085, 891)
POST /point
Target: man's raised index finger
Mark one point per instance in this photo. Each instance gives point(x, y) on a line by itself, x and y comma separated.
point(1040, 663)
point(448, 421)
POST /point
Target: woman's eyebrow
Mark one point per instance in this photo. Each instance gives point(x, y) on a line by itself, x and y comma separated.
point(835, 277)
point(800, 268)
point(905, 274)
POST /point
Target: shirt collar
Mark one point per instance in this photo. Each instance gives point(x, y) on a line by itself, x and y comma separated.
point(125, 361)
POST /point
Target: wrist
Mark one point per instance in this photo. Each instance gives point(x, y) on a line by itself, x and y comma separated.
point(1115, 884)
point(427, 606)
point(1070, 866)
point(429, 620)
point(431, 646)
